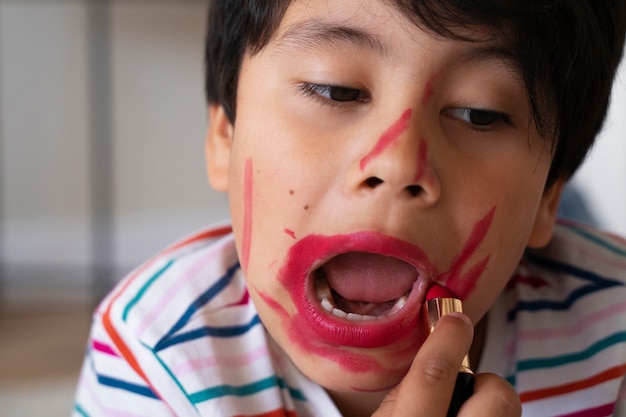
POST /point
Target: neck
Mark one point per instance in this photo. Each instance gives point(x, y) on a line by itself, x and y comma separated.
point(357, 404)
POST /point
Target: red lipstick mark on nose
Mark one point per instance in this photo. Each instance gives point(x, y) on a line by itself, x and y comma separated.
point(247, 214)
point(422, 161)
point(387, 138)
point(429, 90)
point(463, 284)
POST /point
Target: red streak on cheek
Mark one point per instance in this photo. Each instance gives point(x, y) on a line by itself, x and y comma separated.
point(468, 281)
point(387, 138)
point(291, 233)
point(422, 161)
point(464, 284)
point(247, 214)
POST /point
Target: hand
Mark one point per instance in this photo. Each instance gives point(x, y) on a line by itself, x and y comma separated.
point(427, 388)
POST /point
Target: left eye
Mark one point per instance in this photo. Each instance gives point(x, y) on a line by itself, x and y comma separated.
point(335, 93)
point(477, 117)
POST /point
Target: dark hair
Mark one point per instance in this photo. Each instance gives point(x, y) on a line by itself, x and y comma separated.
point(567, 51)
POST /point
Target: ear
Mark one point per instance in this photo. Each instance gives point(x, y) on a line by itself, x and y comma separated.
point(217, 147)
point(546, 216)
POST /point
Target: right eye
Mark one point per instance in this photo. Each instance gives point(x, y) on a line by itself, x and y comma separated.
point(479, 119)
point(332, 93)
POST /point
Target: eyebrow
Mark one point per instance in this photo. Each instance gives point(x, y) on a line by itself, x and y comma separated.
point(319, 34)
point(495, 54)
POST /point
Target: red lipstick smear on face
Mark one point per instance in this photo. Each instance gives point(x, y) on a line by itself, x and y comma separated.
point(349, 361)
point(291, 233)
point(464, 284)
point(247, 214)
point(387, 138)
point(429, 90)
point(320, 334)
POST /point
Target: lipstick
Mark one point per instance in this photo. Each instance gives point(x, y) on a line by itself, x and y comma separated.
point(440, 301)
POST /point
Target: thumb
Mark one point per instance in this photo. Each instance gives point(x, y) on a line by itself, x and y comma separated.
point(427, 388)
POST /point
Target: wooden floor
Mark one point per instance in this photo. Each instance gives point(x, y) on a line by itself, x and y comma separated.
point(42, 346)
point(39, 342)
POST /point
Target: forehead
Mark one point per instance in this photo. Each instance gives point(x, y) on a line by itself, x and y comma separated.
point(379, 27)
point(311, 23)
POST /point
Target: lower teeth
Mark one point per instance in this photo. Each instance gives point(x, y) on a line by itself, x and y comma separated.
point(325, 296)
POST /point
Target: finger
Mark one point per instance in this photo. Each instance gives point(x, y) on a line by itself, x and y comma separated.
point(427, 387)
point(493, 396)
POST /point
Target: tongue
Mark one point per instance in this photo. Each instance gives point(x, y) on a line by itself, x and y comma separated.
point(371, 278)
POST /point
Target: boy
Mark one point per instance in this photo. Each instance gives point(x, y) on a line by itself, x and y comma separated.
point(371, 149)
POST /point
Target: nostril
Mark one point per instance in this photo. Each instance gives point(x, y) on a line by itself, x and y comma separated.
point(414, 190)
point(373, 182)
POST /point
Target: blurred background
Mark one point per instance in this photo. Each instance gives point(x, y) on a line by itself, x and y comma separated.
point(102, 122)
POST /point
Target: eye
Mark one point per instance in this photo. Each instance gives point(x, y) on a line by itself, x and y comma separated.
point(332, 93)
point(478, 118)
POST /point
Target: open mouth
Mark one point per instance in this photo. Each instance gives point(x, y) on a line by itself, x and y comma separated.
point(361, 286)
point(378, 282)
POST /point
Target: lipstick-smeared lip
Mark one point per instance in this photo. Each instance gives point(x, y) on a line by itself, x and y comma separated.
point(363, 289)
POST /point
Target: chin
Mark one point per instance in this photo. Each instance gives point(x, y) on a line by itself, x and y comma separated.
point(385, 375)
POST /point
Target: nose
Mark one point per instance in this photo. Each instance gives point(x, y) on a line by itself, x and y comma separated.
point(399, 163)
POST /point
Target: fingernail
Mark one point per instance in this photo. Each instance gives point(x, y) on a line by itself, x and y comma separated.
point(462, 317)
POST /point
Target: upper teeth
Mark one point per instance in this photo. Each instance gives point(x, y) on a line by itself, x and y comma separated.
point(326, 299)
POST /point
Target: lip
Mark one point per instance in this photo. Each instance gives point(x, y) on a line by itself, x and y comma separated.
point(309, 253)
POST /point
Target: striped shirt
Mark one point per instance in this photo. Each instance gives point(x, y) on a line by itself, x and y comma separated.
point(180, 337)
point(558, 332)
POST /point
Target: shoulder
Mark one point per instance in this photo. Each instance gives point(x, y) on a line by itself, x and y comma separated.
point(161, 332)
point(581, 269)
point(581, 273)
point(565, 315)
point(169, 286)
point(592, 240)
point(582, 251)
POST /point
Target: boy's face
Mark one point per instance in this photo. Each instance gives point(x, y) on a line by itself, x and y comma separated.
point(368, 160)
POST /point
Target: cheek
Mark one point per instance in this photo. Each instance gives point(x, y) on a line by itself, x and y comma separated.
point(245, 203)
point(262, 233)
point(246, 239)
point(255, 206)
point(465, 271)
point(506, 243)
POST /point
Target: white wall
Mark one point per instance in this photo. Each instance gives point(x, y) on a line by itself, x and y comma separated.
point(44, 126)
point(158, 123)
point(602, 179)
